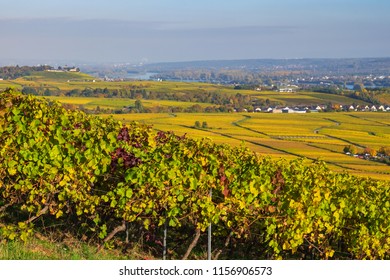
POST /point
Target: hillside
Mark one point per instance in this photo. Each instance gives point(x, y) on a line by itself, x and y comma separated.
point(55, 77)
point(219, 97)
point(108, 184)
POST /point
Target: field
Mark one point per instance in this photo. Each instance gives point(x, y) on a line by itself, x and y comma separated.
point(315, 136)
point(63, 82)
point(119, 103)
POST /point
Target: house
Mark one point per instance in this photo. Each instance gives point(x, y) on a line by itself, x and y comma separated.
point(381, 108)
point(258, 110)
point(300, 111)
point(373, 108)
point(287, 90)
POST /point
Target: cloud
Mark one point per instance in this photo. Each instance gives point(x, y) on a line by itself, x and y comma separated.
point(74, 27)
point(170, 40)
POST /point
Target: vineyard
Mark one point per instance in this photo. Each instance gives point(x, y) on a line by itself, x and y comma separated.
point(111, 184)
point(313, 136)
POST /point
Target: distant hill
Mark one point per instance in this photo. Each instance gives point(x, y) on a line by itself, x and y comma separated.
point(57, 76)
point(315, 65)
point(343, 72)
point(44, 72)
point(14, 72)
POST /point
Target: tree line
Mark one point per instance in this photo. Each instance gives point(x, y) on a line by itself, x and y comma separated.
point(14, 72)
point(221, 102)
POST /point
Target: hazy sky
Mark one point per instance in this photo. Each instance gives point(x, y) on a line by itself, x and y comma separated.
point(180, 30)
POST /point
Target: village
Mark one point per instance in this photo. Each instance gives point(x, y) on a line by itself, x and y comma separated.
point(63, 69)
point(382, 155)
point(321, 108)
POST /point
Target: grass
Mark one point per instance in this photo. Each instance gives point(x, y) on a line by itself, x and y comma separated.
point(36, 249)
point(46, 247)
point(57, 76)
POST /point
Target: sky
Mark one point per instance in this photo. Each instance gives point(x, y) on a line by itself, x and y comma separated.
point(97, 31)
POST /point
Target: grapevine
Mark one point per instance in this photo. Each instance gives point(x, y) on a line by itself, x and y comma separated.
point(100, 177)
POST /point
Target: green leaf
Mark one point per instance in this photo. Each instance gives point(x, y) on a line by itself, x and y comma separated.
point(172, 223)
point(129, 193)
point(113, 203)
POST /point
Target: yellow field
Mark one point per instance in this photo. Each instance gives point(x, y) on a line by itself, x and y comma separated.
point(315, 136)
point(119, 103)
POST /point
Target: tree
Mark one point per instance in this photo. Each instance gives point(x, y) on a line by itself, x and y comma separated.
point(350, 149)
point(204, 125)
point(385, 151)
point(197, 124)
point(139, 106)
point(29, 90)
point(359, 87)
point(47, 92)
point(372, 152)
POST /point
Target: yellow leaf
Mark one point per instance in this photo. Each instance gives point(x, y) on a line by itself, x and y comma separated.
point(252, 188)
point(59, 214)
point(11, 171)
point(329, 254)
